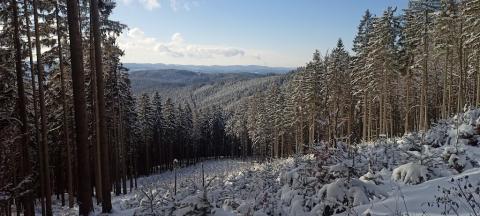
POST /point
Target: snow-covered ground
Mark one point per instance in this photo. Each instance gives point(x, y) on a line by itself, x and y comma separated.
point(131, 203)
point(436, 173)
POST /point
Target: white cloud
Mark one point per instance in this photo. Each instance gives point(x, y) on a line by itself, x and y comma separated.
point(150, 4)
point(141, 48)
point(177, 47)
point(175, 5)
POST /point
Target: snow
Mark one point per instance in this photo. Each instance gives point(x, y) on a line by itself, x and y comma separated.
point(414, 199)
point(411, 173)
point(414, 174)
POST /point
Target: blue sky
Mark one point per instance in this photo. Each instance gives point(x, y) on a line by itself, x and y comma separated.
point(238, 32)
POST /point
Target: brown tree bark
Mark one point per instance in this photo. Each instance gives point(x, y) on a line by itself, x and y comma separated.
point(43, 123)
point(66, 138)
point(34, 97)
point(106, 184)
point(78, 78)
point(93, 99)
point(25, 166)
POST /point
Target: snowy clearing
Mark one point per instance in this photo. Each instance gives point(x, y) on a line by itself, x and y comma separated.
point(436, 173)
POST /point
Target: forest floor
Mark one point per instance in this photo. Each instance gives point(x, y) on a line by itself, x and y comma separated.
point(433, 173)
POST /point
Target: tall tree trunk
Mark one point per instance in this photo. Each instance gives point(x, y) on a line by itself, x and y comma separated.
point(407, 103)
point(66, 126)
point(477, 99)
point(445, 88)
point(311, 132)
point(450, 83)
point(35, 103)
point(25, 166)
point(364, 120)
point(43, 122)
point(95, 116)
point(106, 184)
point(460, 102)
point(424, 97)
point(78, 78)
point(369, 121)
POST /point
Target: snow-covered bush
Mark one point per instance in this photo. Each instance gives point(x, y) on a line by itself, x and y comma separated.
point(438, 135)
point(341, 194)
point(196, 204)
point(411, 173)
point(373, 178)
point(153, 200)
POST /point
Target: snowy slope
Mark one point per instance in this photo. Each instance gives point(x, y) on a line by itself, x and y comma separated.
point(415, 199)
point(436, 173)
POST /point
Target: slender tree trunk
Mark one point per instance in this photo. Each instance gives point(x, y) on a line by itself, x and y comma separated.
point(407, 103)
point(78, 78)
point(25, 166)
point(460, 102)
point(450, 83)
point(424, 98)
point(350, 119)
point(311, 132)
point(66, 126)
point(94, 105)
point(477, 99)
point(35, 104)
point(43, 122)
point(369, 121)
point(445, 88)
point(381, 118)
point(106, 184)
point(364, 120)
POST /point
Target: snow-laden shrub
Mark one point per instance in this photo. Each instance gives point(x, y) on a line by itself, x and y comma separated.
point(341, 194)
point(297, 206)
point(221, 212)
point(438, 135)
point(245, 208)
point(196, 204)
point(338, 170)
point(471, 116)
point(154, 200)
point(455, 157)
point(410, 142)
point(372, 178)
point(411, 173)
point(290, 177)
point(465, 128)
point(457, 162)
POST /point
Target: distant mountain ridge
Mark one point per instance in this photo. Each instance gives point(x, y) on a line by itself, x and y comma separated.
point(256, 69)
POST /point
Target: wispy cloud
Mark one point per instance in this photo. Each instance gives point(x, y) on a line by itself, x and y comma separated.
point(150, 4)
point(141, 48)
point(175, 5)
point(135, 39)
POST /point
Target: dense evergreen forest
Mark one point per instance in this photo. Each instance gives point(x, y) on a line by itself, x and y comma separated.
point(72, 129)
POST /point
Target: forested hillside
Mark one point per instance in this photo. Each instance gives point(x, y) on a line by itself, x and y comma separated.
point(78, 128)
point(201, 89)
